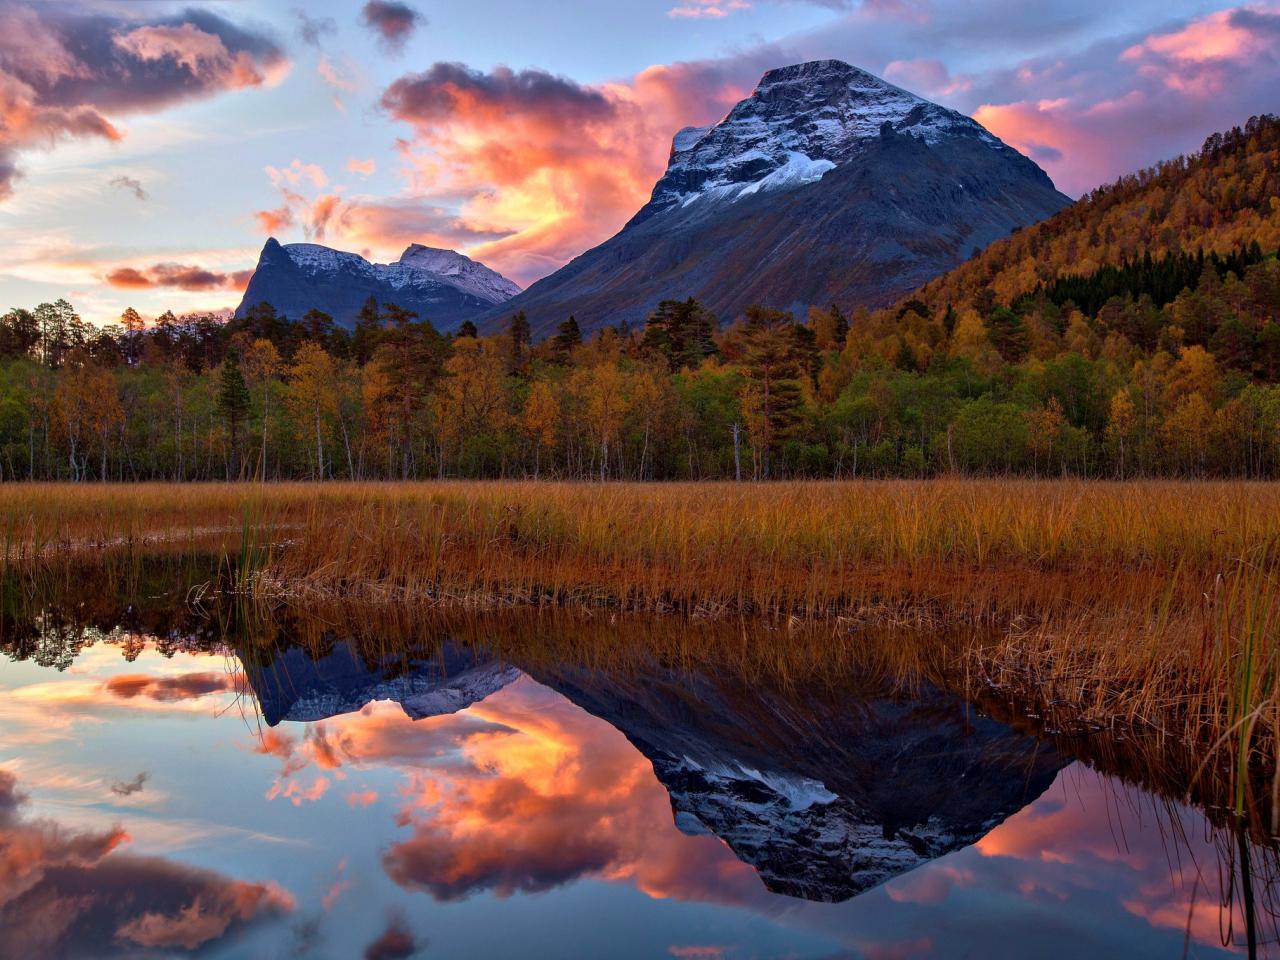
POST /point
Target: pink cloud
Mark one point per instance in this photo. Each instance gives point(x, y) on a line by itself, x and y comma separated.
point(57, 84)
point(695, 9)
point(70, 893)
point(1114, 110)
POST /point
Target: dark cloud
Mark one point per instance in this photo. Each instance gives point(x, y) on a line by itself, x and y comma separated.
point(131, 185)
point(192, 278)
point(66, 894)
point(67, 70)
point(393, 22)
point(397, 942)
point(186, 686)
point(446, 90)
point(312, 30)
point(123, 788)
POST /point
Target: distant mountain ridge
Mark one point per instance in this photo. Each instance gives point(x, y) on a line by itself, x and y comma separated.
point(441, 286)
point(826, 184)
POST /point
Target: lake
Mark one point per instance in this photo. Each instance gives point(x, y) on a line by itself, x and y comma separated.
point(178, 778)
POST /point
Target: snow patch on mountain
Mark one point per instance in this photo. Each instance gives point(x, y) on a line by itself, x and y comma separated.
point(418, 268)
point(800, 123)
point(463, 272)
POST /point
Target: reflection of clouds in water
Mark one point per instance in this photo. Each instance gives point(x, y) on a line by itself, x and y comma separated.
point(545, 794)
point(47, 711)
point(521, 792)
point(185, 686)
point(70, 893)
point(1090, 833)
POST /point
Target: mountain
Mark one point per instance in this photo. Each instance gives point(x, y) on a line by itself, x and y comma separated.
point(297, 687)
point(827, 184)
point(825, 792)
point(439, 285)
point(1222, 199)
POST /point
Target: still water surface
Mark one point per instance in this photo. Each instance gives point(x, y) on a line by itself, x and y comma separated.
point(174, 795)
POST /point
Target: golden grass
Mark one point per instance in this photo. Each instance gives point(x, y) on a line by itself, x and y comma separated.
point(1146, 607)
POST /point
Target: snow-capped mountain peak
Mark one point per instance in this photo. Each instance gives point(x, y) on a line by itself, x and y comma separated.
point(441, 286)
point(801, 122)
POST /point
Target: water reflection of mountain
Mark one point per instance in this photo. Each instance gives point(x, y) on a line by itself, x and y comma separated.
point(825, 793)
point(295, 686)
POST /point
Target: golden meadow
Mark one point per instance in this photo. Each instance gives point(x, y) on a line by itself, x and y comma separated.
point(1148, 609)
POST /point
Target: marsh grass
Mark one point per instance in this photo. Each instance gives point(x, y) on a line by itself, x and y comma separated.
point(1140, 610)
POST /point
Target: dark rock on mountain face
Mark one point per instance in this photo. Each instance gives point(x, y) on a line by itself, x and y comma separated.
point(826, 185)
point(828, 794)
point(441, 286)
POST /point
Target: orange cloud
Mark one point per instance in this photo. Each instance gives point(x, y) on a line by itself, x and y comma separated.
point(185, 686)
point(273, 221)
point(1218, 36)
point(547, 794)
point(1194, 59)
point(1092, 830)
point(543, 165)
point(58, 83)
point(177, 275)
point(293, 790)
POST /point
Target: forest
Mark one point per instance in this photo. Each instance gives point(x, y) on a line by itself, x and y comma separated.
point(1135, 334)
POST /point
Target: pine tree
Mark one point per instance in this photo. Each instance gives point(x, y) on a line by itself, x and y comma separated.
point(468, 329)
point(774, 363)
point(568, 335)
point(233, 404)
point(521, 336)
point(368, 332)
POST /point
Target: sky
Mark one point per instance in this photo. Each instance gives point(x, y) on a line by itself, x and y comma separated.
point(148, 149)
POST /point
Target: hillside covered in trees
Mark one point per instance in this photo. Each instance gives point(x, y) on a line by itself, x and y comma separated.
point(1136, 333)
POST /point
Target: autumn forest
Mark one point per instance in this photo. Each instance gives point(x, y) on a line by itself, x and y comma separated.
point(1134, 334)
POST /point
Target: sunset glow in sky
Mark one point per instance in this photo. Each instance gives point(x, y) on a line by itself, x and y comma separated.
point(147, 149)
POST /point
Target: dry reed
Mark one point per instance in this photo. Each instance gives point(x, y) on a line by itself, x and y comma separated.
point(1146, 607)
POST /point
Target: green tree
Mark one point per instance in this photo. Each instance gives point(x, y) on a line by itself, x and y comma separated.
point(568, 335)
point(234, 403)
point(773, 402)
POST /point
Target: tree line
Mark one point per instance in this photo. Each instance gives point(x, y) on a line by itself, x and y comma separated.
point(1032, 386)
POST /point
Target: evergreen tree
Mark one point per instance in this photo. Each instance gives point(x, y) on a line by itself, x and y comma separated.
point(233, 405)
point(520, 336)
point(680, 331)
point(568, 335)
point(773, 361)
point(368, 332)
point(1008, 334)
point(468, 329)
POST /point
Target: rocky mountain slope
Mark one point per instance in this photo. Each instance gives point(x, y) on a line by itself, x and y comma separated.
point(442, 286)
point(827, 184)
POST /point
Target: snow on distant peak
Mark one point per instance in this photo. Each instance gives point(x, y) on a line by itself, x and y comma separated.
point(462, 271)
point(801, 122)
point(418, 267)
